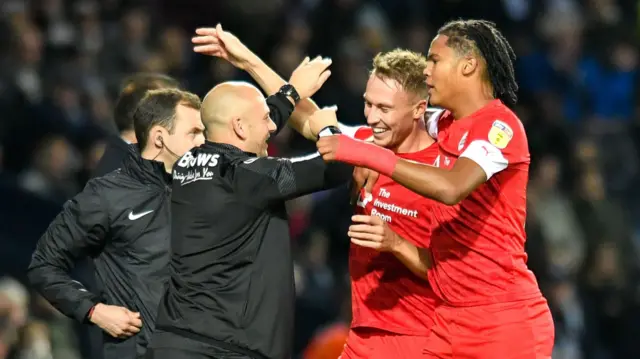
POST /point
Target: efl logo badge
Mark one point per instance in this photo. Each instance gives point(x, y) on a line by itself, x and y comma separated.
point(500, 134)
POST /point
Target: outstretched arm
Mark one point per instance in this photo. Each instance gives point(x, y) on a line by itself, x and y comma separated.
point(445, 186)
point(494, 142)
point(265, 180)
point(306, 79)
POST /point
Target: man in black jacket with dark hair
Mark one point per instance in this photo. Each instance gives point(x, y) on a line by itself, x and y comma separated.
point(133, 90)
point(121, 220)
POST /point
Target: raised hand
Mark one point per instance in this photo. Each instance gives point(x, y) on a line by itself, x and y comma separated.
point(223, 44)
point(310, 75)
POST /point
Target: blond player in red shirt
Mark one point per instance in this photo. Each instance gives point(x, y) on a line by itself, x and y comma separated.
point(392, 308)
point(492, 307)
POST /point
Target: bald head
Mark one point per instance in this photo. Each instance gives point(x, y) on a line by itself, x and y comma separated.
point(228, 101)
point(236, 113)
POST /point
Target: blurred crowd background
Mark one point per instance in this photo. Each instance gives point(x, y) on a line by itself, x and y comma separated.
point(61, 63)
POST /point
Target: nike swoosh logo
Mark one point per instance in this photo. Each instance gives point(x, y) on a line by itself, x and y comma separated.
point(251, 160)
point(133, 217)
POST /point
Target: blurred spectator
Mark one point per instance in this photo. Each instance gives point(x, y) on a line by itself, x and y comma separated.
point(14, 301)
point(24, 64)
point(51, 173)
point(568, 313)
point(606, 299)
point(558, 223)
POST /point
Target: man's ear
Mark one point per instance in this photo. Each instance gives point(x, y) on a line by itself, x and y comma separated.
point(469, 65)
point(419, 109)
point(156, 136)
point(239, 128)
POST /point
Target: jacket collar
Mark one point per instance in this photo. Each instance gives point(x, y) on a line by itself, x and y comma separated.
point(226, 148)
point(146, 171)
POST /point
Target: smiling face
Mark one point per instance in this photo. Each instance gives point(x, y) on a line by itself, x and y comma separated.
point(389, 111)
point(260, 126)
point(394, 99)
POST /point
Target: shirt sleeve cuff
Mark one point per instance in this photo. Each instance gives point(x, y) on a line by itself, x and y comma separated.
point(283, 106)
point(83, 309)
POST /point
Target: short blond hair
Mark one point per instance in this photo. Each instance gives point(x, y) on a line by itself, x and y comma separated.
point(405, 67)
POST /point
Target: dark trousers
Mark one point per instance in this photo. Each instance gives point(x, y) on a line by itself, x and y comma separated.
point(171, 346)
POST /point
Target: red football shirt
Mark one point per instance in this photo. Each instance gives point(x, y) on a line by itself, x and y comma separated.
point(478, 244)
point(384, 293)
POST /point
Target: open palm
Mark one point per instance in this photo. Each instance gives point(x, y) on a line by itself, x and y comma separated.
point(223, 44)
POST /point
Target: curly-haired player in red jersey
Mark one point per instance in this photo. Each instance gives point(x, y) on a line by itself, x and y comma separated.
point(492, 307)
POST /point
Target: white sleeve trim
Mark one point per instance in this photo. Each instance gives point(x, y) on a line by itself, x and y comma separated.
point(433, 115)
point(303, 158)
point(487, 156)
point(308, 157)
point(348, 130)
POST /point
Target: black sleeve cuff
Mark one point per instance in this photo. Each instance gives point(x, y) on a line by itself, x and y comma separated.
point(81, 313)
point(281, 109)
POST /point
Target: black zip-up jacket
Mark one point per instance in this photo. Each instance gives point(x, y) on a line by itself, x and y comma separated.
point(122, 221)
point(115, 152)
point(231, 279)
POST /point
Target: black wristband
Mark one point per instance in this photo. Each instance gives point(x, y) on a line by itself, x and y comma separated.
point(290, 91)
point(329, 131)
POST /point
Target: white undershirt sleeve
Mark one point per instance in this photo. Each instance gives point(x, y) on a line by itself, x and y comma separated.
point(487, 156)
point(432, 115)
point(348, 130)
